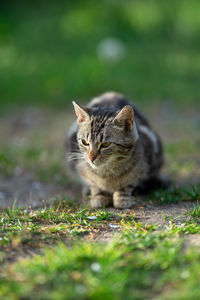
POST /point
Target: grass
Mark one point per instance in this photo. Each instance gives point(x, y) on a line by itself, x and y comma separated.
point(54, 52)
point(66, 216)
point(50, 54)
point(146, 260)
point(195, 213)
point(67, 251)
point(177, 194)
point(146, 263)
point(18, 225)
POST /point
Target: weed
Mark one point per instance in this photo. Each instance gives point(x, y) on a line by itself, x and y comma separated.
point(173, 195)
point(12, 213)
point(104, 215)
point(195, 213)
point(193, 192)
point(177, 194)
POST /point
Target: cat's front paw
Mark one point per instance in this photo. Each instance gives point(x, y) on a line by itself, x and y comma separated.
point(122, 201)
point(100, 201)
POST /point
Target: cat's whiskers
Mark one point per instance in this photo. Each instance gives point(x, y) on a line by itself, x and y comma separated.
point(74, 156)
point(81, 163)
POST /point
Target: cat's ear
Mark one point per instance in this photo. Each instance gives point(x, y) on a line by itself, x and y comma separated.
point(81, 112)
point(124, 119)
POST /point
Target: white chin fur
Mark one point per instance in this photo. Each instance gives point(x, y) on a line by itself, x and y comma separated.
point(91, 164)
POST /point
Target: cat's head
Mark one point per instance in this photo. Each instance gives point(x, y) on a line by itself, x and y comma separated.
point(105, 137)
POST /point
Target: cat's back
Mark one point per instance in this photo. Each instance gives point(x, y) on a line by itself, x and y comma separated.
point(111, 100)
point(111, 103)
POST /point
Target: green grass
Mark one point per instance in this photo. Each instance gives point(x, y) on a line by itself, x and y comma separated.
point(177, 194)
point(69, 251)
point(49, 51)
point(195, 213)
point(18, 222)
point(146, 264)
point(66, 216)
point(49, 56)
point(144, 260)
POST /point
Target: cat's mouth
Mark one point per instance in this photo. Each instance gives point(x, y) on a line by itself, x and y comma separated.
point(97, 163)
point(92, 164)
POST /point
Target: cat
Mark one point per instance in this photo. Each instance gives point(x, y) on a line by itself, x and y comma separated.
point(113, 149)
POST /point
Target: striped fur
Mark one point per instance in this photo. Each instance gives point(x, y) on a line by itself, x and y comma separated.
point(133, 152)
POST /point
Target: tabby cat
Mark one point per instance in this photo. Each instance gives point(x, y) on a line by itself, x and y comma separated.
point(113, 149)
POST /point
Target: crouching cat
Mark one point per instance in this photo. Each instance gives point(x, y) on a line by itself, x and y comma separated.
point(113, 149)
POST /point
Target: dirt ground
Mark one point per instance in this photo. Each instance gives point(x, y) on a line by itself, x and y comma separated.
point(175, 126)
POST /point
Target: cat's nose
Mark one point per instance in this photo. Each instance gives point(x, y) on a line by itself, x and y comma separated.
point(92, 156)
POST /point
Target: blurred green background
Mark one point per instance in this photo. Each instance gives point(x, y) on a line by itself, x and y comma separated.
point(52, 52)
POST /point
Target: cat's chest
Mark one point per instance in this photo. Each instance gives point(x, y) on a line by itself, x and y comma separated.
point(111, 182)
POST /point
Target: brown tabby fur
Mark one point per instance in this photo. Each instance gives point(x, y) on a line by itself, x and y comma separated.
point(113, 149)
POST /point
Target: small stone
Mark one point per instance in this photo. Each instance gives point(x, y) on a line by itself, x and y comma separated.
point(92, 217)
point(113, 226)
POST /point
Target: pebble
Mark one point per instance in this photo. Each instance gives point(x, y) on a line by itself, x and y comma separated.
point(113, 226)
point(92, 217)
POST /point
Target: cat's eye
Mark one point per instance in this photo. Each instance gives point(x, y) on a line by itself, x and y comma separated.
point(85, 143)
point(105, 144)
